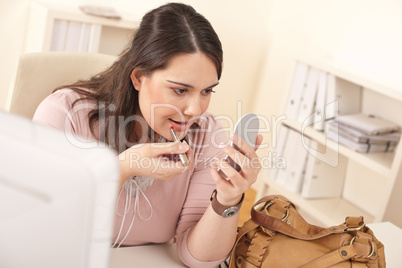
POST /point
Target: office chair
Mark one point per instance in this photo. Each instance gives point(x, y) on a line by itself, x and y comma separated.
point(38, 74)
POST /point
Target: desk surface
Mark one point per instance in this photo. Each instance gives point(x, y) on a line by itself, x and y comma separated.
point(165, 255)
point(391, 237)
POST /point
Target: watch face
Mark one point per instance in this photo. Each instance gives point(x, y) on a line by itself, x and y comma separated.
point(229, 212)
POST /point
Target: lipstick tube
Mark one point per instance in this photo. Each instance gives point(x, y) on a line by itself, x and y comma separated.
point(183, 157)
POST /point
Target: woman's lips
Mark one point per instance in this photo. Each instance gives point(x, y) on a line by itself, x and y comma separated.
point(179, 126)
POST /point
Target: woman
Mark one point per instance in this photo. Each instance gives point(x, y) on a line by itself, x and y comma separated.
point(163, 79)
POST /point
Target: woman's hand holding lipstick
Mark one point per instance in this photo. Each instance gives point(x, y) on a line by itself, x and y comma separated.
point(149, 159)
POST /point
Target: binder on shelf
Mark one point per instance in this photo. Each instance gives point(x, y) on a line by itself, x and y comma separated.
point(331, 111)
point(296, 169)
point(368, 124)
point(287, 152)
point(58, 35)
point(322, 180)
point(279, 149)
point(85, 37)
point(308, 99)
point(296, 90)
point(73, 36)
point(346, 94)
point(319, 113)
point(295, 156)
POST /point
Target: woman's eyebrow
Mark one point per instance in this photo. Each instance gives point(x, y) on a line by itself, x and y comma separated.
point(214, 85)
point(187, 85)
point(181, 84)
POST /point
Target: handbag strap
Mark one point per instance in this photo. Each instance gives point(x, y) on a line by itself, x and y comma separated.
point(247, 227)
point(362, 250)
point(283, 225)
point(342, 254)
point(258, 244)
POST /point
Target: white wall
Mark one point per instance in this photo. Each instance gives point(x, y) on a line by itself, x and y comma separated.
point(12, 35)
point(363, 32)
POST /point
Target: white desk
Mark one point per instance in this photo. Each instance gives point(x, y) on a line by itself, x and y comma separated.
point(165, 255)
point(149, 256)
point(391, 236)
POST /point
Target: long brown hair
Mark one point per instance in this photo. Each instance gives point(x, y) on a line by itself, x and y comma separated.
point(163, 33)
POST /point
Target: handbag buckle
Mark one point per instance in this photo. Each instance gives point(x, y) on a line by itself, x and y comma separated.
point(358, 228)
point(372, 247)
point(285, 218)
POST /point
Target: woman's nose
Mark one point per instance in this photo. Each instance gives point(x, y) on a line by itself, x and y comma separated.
point(193, 107)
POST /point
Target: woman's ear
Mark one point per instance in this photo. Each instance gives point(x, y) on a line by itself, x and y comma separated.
point(136, 78)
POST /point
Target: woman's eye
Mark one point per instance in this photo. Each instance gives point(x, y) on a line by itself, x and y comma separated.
point(179, 91)
point(208, 91)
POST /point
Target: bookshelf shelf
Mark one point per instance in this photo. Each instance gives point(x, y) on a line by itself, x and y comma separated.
point(368, 184)
point(56, 27)
point(378, 162)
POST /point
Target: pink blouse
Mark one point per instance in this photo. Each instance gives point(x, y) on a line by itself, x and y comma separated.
point(167, 209)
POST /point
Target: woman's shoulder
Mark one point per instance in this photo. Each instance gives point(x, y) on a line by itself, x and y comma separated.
point(66, 94)
point(58, 108)
point(63, 99)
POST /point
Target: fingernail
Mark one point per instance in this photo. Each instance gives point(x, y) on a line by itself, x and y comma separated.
point(183, 146)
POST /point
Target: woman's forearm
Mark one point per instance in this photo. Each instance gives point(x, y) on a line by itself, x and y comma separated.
point(213, 236)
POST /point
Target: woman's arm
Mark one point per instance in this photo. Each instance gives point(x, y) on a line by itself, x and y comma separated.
point(213, 236)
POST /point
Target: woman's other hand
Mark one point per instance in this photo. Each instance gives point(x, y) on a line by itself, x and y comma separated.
point(231, 189)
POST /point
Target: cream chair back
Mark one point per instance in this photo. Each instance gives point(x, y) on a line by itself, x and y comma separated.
point(38, 74)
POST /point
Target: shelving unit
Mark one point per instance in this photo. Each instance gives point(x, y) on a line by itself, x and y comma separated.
point(373, 181)
point(55, 27)
point(378, 162)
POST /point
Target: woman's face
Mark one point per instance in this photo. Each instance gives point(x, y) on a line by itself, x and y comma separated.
point(177, 95)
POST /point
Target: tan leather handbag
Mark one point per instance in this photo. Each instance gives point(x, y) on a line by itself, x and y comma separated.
point(278, 236)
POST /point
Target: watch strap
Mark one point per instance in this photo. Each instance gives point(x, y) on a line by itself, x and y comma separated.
point(225, 211)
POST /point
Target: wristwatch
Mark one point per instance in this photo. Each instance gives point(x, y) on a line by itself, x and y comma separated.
point(222, 210)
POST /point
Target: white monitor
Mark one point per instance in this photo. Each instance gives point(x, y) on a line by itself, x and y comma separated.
point(57, 200)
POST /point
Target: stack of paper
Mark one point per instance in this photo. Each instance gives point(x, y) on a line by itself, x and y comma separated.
point(364, 133)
